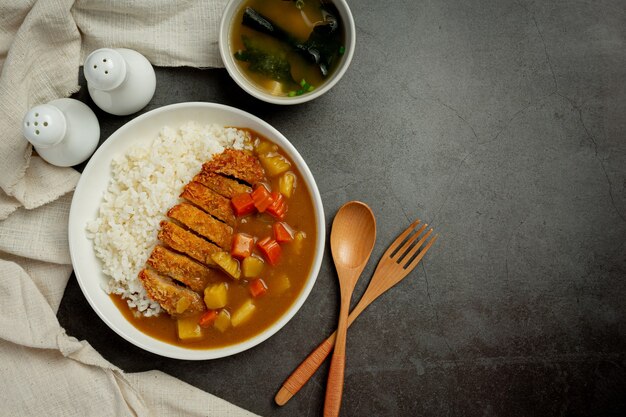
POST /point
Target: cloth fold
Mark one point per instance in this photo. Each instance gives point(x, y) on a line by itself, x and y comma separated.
point(43, 370)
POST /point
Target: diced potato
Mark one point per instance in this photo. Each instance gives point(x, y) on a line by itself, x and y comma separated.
point(287, 183)
point(222, 322)
point(252, 266)
point(298, 240)
point(227, 263)
point(216, 296)
point(265, 147)
point(274, 164)
point(189, 329)
point(281, 284)
point(274, 87)
point(243, 313)
point(182, 304)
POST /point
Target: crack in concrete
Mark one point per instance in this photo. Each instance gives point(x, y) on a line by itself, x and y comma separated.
point(594, 143)
point(386, 172)
point(543, 43)
point(497, 135)
point(395, 196)
point(350, 184)
point(438, 322)
point(481, 145)
point(432, 306)
point(545, 50)
point(452, 182)
point(456, 112)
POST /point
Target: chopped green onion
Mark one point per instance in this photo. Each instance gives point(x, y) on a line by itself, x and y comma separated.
point(306, 88)
point(342, 50)
point(300, 4)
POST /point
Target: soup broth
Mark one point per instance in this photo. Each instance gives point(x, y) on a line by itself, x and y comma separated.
point(276, 64)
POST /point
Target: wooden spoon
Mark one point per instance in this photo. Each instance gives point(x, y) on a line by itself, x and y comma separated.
point(351, 242)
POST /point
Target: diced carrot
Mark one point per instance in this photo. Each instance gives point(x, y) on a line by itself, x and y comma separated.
point(262, 198)
point(278, 208)
point(282, 232)
point(242, 204)
point(257, 288)
point(270, 249)
point(242, 245)
point(208, 318)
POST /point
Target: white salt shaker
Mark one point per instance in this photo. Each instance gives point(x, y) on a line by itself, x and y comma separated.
point(120, 81)
point(64, 132)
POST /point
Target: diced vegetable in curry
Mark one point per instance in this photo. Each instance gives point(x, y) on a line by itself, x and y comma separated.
point(234, 253)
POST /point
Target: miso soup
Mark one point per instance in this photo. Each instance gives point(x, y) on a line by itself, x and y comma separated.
point(287, 48)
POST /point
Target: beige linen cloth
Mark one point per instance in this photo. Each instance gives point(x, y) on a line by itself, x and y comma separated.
point(43, 371)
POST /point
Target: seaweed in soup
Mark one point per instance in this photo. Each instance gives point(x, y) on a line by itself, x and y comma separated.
point(269, 62)
point(321, 48)
point(286, 47)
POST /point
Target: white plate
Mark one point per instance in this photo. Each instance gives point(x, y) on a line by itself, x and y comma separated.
point(93, 184)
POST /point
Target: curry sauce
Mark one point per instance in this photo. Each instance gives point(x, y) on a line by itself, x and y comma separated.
point(294, 265)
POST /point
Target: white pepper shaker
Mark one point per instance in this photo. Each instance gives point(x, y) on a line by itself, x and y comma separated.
point(64, 132)
point(120, 81)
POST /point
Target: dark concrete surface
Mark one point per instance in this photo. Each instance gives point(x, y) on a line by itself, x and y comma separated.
point(503, 125)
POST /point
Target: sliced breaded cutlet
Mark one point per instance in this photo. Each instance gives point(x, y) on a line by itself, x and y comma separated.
point(182, 268)
point(203, 224)
point(222, 185)
point(184, 241)
point(176, 300)
point(209, 201)
point(236, 164)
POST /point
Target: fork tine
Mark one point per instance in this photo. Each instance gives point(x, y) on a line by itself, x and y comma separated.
point(420, 255)
point(398, 255)
point(398, 241)
point(410, 252)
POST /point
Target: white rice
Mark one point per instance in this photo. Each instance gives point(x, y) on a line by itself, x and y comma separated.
point(144, 184)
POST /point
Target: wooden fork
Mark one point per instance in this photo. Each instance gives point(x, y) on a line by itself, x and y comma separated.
point(401, 257)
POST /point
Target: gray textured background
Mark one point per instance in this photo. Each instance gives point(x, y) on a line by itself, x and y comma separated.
point(502, 124)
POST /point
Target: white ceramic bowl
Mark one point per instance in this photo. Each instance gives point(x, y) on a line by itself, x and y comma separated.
point(93, 184)
point(233, 69)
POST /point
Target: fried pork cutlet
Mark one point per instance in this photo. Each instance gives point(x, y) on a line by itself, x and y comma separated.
point(176, 300)
point(182, 268)
point(184, 241)
point(203, 224)
point(209, 201)
point(222, 185)
point(236, 164)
